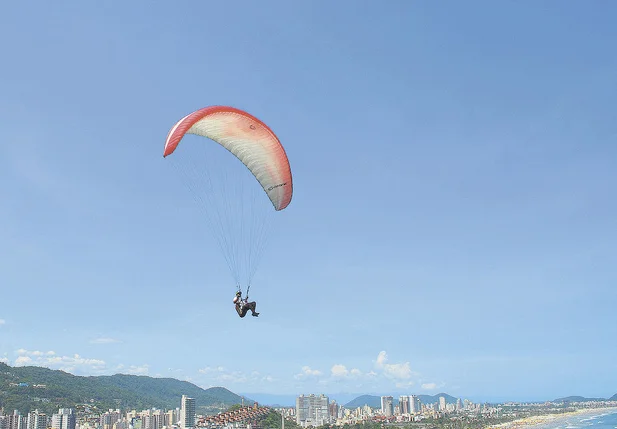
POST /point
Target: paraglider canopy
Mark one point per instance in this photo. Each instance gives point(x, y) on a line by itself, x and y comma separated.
point(249, 139)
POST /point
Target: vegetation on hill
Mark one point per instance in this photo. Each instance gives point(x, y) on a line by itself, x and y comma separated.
point(273, 421)
point(28, 388)
point(578, 399)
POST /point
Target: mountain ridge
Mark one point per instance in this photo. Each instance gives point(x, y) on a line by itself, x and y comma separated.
point(374, 401)
point(28, 387)
point(583, 399)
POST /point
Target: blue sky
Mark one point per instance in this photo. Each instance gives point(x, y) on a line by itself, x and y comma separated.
point(454, 218)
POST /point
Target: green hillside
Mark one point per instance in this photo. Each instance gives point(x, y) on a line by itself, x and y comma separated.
point(27, 388)
point(578, 399)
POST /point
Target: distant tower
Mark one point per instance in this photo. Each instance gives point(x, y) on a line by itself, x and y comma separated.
point(414, 404)
point(16, 421)
point(333, 410)
point(36, 420)
point(187, 412)
point(387, 406)
point(64, 419)
point(442, 403)
point(312, 410)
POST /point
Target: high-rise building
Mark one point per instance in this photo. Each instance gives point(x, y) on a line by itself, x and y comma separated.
point(152, 419)
point(333, 410)
point(171, 418)
point(414, 404)
point(109, 418)
point(387, 406)
point(442, 403)
point(312, 410)
point(403, 404)
point(16, 421)
point(146, 419)
point(158, 419)
point(187, 412)
point(64, 419)
point(36, 420)
point(136, 423)
point(12, 420)
point(467, 404)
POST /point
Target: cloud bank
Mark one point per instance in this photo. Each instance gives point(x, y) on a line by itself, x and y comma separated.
point(381, 375)
point(74, 364)
point(211, 376)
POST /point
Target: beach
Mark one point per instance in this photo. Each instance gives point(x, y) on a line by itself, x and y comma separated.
point(552, 419)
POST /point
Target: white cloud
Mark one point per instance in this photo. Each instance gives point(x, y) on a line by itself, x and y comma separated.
point(74, 364)
point(395, 371)
point(398, 371)
point(133, 369)
point(307, 372)
point(23, 361)
point(4, 360)
point(383, 375)
point(219, 375)
point(429, 386)
point(339, 371)
point(2, 322)
point(209, 370)
point(104, 340)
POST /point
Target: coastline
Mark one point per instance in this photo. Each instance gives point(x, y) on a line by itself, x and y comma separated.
point(533, 421)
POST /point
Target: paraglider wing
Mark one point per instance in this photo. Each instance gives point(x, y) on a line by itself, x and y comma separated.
point(249, 139)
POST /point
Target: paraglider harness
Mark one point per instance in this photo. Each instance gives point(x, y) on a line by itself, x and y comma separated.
point(243, 305)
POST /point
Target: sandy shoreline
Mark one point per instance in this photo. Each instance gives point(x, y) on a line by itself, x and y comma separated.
point(528, 422)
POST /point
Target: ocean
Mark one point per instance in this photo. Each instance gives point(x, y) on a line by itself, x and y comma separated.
point(592, 419)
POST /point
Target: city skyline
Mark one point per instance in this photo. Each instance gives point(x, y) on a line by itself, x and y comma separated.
point(452, 227)
point(188, 403)
point(313, 410)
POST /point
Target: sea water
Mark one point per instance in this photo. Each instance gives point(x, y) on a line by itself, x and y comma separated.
point(592, 419)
